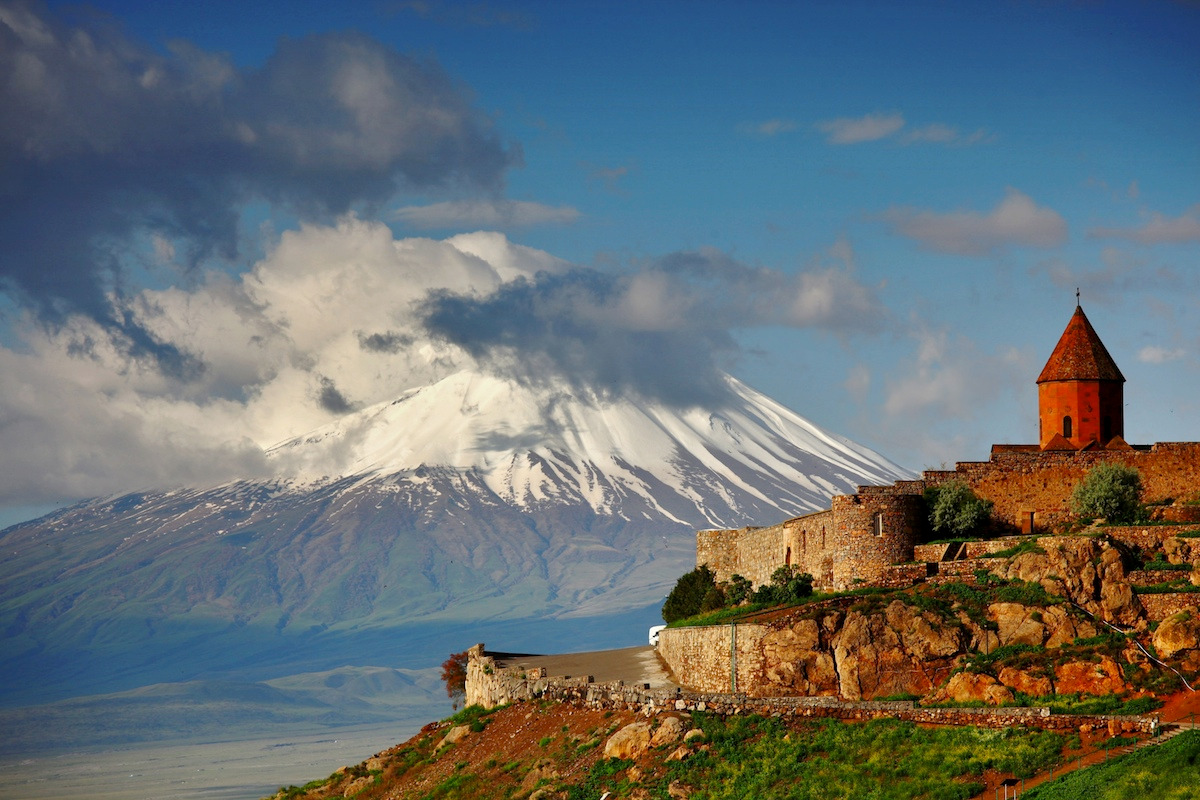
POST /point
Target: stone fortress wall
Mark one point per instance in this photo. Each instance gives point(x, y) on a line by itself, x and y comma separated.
point(862, 536)
point(489, 685)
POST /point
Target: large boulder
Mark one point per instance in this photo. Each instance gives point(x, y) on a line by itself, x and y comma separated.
point(629, 742)
point(1177, 634)
point(671, 729)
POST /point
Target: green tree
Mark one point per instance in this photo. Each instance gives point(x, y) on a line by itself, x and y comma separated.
point(955, 510)
point(686, 599)
point(1112, 491)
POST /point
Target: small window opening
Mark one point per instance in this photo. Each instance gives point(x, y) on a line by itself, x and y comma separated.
point(878, 524)
point(787, 559)
point(1066, 427)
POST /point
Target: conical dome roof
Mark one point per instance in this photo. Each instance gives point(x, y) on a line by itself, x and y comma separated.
point(1080, 355)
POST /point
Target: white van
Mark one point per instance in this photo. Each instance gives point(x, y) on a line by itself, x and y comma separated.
point(654, 634)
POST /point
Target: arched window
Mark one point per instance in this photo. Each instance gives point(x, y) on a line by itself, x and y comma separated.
point(1066, 427)
point(787, 559)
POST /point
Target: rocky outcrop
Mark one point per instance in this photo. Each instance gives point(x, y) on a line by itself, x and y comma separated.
point(1089, 677)
point(901, 651)
point(1050, 626)
point(1087, 570)
point(967, 687)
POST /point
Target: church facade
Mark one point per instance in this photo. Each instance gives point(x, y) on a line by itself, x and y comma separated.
point(862, 538)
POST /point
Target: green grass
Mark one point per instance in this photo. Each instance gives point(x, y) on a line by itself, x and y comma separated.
point(882, 760)
point(1170, 771)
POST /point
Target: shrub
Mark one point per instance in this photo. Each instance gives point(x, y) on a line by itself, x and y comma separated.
point(955, 510)
point(714, 599)
point(738, 590)
point(1112, 491)
point(687, 598)
point(788, 585)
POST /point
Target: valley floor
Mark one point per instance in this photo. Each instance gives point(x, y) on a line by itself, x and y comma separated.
point(235, 770)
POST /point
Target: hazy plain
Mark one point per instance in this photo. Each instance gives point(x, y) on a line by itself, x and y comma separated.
point(234, 770)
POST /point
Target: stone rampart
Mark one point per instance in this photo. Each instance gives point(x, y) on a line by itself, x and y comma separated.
point(854, 542)
point(489, 685)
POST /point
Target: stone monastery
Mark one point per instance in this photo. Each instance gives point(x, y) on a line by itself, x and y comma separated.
point(872, 537)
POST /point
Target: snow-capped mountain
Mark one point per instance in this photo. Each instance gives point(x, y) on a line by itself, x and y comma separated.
point(749, 460)
point(405, 531)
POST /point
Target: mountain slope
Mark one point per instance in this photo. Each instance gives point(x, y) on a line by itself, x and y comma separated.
point(402, 530)
point(546, 446)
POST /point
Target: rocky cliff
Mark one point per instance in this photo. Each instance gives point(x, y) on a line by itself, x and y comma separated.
point(1059, 618)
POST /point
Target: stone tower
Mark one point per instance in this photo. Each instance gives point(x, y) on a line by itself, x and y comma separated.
point(1080, 392)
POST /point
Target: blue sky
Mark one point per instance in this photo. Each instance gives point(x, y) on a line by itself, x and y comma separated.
point(877, 213)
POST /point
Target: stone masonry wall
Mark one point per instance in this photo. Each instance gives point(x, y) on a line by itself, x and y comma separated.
point(856, 541)
point(707, 655)
point(489, 686)
point(1160, 606)
point(874, 531)
point(1020, 482)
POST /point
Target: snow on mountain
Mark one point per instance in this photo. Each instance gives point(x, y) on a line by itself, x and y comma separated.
point(751, 459)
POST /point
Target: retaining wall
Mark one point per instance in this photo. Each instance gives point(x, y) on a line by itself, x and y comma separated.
point(506, 685)
point(716, 658)
point(1160, 606)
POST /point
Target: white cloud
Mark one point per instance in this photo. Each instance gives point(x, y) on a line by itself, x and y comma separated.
point(950, 378)
point(1118, 274)
point(1015, 222)
point(767, 128)
point(855, 130)
point(486, 214)
point(858, 382)
point(1153, 354)
point(940, 133)
point(1158, 229)
point(329, 313)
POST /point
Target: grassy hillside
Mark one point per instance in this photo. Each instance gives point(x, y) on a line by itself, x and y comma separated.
point(553, 751)
point(1170, 771)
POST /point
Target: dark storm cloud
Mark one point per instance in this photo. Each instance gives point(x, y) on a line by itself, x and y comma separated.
point(389, 342)
point(664, 331)
point(332, 400)
point(103, 140)
point(569, 325)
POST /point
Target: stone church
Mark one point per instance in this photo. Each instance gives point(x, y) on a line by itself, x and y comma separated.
point(871, 537)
